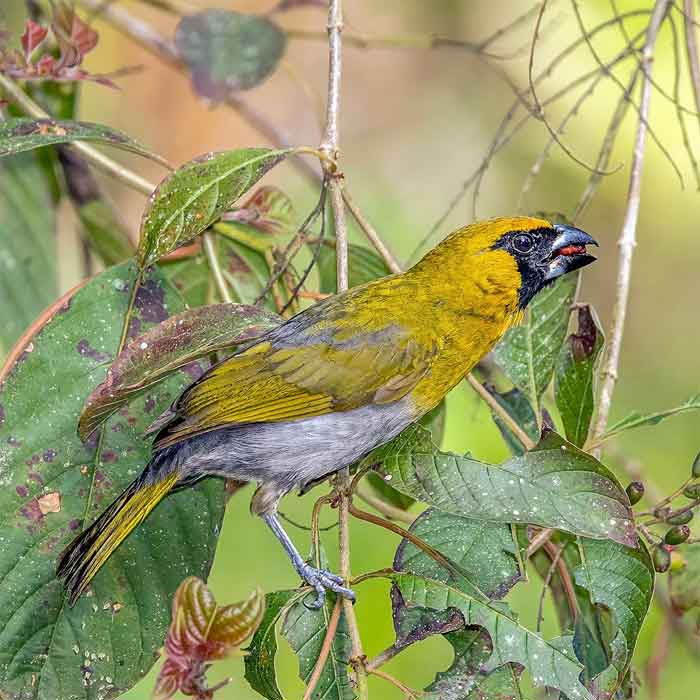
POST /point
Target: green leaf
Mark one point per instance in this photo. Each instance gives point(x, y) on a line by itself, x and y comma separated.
point(305, 630)
point(554, 485)
point(28, 256)
point(53, 484)
point(25, 133)
point(685, 583)
point(528, 352)
point(227, 51)
point(260, 660)
point(172, 344)
point(464, 679)
point(483, 550)
point(190, 276)
point(484, 553)
point(192, 198)
point(364, 265)
point(622, 580)
point(639, 420)
point(575, 375)
point(519, 408)
point(511, 642)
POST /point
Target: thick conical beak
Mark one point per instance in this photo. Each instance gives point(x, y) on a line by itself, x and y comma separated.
point(568, 251)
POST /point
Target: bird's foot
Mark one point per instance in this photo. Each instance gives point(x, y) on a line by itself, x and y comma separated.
point(321, 580)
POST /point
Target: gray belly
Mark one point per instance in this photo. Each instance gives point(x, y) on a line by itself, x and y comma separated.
point(289, 454)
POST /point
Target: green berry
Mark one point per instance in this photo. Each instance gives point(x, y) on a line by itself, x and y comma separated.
point(661, 558)
point(677, 535)
point(682, 518)
point(695, 469)
point(692, 491)
point(635, 491)
point(678, 563)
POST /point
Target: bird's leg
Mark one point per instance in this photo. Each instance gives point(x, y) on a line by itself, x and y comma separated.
point(320, 579)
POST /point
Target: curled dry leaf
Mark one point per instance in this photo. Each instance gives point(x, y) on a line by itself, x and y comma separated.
point(172, 344)
point(267, 209)
point(201, 632)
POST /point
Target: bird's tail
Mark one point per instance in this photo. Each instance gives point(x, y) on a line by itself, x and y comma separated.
point(86, 554)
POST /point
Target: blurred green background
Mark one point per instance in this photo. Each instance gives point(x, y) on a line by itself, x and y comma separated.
point(415, 124)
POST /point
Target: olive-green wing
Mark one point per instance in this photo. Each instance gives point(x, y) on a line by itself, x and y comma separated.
point(301, 371)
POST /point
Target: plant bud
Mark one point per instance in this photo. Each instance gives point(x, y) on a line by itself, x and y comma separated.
point(635, 491)
point(661, 558)
point(695, 469)
point(680, 519)
point(677, 535)
point(692, 491)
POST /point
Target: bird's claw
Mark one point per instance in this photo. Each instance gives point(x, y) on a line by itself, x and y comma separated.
point(320, 580)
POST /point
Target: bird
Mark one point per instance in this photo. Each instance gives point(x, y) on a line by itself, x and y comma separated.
point(337, 380)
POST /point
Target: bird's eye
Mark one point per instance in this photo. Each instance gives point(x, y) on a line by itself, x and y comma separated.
point(523, 243)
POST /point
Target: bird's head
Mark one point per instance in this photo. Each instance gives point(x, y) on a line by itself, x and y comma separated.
point(525, 252)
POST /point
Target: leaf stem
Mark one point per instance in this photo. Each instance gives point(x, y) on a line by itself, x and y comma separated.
point(92, 155)
point(210, 251)
point(628, 235)
point(365, 494)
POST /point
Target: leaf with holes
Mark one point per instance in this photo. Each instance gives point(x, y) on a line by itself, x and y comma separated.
point(24, 134)
point(28, 282)
point(167, 347)
point(187, 202)
point(554, 485)
point(305, 630)
point(511, 642)
point(260, 669)
point(575, 375)
point(48, 649)
point(528, 352)
point(227, 51)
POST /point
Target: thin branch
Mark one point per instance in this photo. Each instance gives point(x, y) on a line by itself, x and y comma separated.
point(692, 50)
point(628, 235)
point(210, 251)
point(546, 584)
point(325, 649)
point(501, 412)
point(92, 155)
point(383, 657)
point(365, 494)
point(409, 693)
point(538, 106)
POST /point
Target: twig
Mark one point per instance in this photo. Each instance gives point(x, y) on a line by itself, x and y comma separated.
point(501, 412)
point(538, 541)
point(409, 693)
point(692, 51)
point(92, 155)
point(382, 658)
point(628, 235)
point(325, 648)
point(563, 572)
point(547, 582)
point(364, 493)
point(209, 245)
point(659, 654)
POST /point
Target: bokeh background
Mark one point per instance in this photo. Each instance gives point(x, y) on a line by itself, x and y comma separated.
point(414, 125)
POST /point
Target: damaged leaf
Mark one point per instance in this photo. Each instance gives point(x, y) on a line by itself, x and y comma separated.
point(24, 134)
point(41, 455)
point(187, 202)
point(172, 344)
point(268, 209)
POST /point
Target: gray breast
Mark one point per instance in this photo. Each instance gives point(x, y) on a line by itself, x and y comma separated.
point(289, 454)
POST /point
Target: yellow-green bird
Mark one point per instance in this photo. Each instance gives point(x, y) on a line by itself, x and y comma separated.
point(337, 380)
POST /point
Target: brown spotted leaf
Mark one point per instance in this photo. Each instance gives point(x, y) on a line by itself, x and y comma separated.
point(170, 345)
point(267, 209)
point(24, 134)
point(192, 198)
point(53, 486)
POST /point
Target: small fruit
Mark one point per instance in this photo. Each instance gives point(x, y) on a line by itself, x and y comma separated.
point(661, 558)
point(635, 491)
point(695, 469)
point(678, 562)
point(677, 535)
point(682, 518)
point(692, 491)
